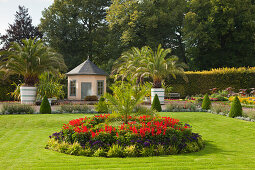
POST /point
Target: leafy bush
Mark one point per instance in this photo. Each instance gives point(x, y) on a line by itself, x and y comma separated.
point(63, 147)
point(91, 98)
point(236, 108)
point(17, 109)
point(49, 85)
point(142, 136)
point(249, 113)
point(100, 153)
point(115, 151)
point(160, 150)
point(177, 106)
point(206, 103)
point(101, 106)
point(156, 104)
point(75, 149)
point(74, 108)
point(220, 108)
point(147, 151)
point(130, 151)
point(45, 106)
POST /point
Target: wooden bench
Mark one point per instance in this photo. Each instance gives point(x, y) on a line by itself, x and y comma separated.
point(174, 95)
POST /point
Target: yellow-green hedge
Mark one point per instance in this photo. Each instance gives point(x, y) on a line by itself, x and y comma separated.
point(199, 82)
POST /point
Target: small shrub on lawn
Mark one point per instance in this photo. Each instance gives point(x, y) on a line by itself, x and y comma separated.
point(141, 136)
point(74, 108)
point(17, 109)
point(156, 104)
point(45, 106)
point(206, 105)
point(236, 108)
point(101, 106)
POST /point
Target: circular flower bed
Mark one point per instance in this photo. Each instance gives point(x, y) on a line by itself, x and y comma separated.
point(103, 136)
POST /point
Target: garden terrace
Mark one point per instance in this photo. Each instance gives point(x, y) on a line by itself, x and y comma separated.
point(229, 145)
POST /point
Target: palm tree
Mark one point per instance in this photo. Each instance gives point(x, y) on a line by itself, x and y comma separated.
point(30, 59)
point(147, 63)
point(128, 62)
point(126, 96)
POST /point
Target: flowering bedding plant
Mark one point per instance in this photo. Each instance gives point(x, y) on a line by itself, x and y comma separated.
point(141, 136)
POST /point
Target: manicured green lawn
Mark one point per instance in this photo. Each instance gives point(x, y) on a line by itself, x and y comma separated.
point(230, 145)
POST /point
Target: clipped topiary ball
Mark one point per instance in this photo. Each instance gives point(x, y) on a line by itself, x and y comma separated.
point(156, 104)
point(206, 105)
point(45, 106)
point(236, 108)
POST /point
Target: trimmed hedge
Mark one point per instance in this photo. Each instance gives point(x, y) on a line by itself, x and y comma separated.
point(200, 82)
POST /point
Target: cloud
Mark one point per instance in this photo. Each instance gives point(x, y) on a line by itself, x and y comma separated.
point(3, 1)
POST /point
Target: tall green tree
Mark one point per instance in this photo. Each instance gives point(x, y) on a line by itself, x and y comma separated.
point(30, 59)
point(22, 28)
point(149, 22)
point(78, 29)
point(220, 33)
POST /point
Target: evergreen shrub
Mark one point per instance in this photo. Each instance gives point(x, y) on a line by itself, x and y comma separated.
point(236, 108)
point(45, 106)
point(156, 104)
point(206, 103)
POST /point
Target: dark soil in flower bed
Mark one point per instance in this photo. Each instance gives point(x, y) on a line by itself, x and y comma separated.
point(106, 136)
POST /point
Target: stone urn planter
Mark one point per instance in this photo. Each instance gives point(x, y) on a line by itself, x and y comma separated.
point(28, 94)
point(160, 92)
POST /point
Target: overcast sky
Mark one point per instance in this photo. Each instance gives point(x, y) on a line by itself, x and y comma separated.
point(8, 9)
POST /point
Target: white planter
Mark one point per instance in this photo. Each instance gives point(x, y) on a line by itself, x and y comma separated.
point(28, 94)
point(160, 92)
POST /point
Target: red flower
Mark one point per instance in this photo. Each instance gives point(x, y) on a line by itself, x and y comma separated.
point(93, 134)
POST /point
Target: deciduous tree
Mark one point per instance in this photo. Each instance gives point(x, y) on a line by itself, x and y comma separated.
point(22, 28)
point(78, 29)
point(220, 33)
